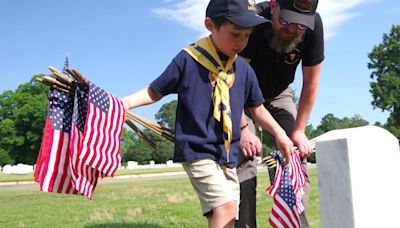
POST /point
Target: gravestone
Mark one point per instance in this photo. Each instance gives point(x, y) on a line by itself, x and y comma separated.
point(152, 164)
point(7, 169)
point(132, 165)
point(358, 178)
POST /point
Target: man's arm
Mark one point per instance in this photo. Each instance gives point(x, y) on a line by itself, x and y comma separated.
point(308, 96)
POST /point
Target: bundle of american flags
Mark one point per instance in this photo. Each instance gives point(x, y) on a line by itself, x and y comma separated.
point(81, 140)
point(287, 191)
point(82, 135)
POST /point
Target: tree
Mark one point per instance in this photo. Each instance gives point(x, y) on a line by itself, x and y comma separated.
point(166, 114)
point(385, 63)
point(164, 150)
point(128, 140)
point(330, 122)
point(22, 117)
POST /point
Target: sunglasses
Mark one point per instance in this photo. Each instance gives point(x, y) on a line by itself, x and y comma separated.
point(299, 26)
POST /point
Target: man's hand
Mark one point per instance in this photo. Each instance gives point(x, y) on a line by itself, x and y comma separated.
point(300, 140)
point(249, 143)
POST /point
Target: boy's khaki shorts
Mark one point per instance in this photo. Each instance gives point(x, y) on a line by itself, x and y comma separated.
point(214, 184)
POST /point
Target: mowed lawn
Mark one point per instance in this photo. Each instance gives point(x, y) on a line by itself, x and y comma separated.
point(149, 203)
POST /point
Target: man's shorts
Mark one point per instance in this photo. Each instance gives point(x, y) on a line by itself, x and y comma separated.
point(215, 185)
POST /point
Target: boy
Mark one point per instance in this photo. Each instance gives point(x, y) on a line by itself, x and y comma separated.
point(213, 86)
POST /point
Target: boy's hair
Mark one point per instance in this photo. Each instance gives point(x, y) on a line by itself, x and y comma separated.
point(219, 21)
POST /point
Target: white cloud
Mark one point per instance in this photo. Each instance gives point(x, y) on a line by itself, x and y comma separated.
point(335, 13)
point(191, 13)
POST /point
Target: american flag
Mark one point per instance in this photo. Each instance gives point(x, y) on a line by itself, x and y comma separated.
point(84, 177)
point(53, 165)
point(81, 139)
point(66, 65)
point(100, 142)
point(287, 190)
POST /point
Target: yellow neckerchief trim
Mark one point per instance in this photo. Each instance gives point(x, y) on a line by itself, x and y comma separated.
point(224, 78)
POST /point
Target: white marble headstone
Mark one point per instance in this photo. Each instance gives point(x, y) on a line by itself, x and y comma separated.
point(359, 178)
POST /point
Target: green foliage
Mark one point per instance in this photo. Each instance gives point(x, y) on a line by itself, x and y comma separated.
point(134, 148)
point(268, 142)
point(166, 114)
point(128, 140)
point(330, 122)
point(385, 63)
point(164, 150)
point(5, 158)
point(22, 116)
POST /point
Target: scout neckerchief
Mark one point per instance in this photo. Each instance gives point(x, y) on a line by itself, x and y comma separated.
point(203, 52)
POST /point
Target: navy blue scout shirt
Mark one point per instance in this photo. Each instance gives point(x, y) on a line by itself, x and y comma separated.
point(275, 71)
point(198, 135)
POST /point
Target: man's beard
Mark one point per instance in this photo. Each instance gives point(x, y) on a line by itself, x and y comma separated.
point(281, 45)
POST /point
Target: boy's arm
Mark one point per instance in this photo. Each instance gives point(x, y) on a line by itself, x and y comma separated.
point(267, 122)
point(142, 97)
point(250, 144)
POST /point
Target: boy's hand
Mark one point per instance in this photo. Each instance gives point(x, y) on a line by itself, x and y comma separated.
point(285, 145)
point(250, 144)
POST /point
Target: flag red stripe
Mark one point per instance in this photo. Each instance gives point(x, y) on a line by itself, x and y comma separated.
point(97, 130)
point(282, 215)
point(57, 154)
point(273, 189)
point(46, 157)
point(46, 186)
point(111, 139)
point(106, 147)
point(44, 148)
point(118, 127)
point(99, 141)
point(276, 220)
point(60, 166)
point(95, 136)
point(289, 213)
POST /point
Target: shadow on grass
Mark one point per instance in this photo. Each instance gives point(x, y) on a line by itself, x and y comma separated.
point(123, 225)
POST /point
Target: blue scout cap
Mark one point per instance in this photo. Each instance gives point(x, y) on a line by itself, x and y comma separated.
point(240, 12)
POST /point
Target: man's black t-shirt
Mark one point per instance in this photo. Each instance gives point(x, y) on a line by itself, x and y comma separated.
point(275, 71)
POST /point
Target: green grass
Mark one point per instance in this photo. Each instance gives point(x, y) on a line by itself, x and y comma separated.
point(153, 204)
point(29, 176)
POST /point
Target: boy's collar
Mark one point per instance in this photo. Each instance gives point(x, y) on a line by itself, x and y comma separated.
point(222, 56)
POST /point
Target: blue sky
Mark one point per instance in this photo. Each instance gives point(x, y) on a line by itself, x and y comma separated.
point(122, 45)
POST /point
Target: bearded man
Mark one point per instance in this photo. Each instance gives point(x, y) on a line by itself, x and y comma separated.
point(274, 50)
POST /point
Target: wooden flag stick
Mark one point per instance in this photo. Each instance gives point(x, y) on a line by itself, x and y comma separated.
point(156, 130)
point(49, 83)
point(78, 76)
point(61, 77)
point(53, 81)
point(151, 126)
point(140, 133)
point(152, 123)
